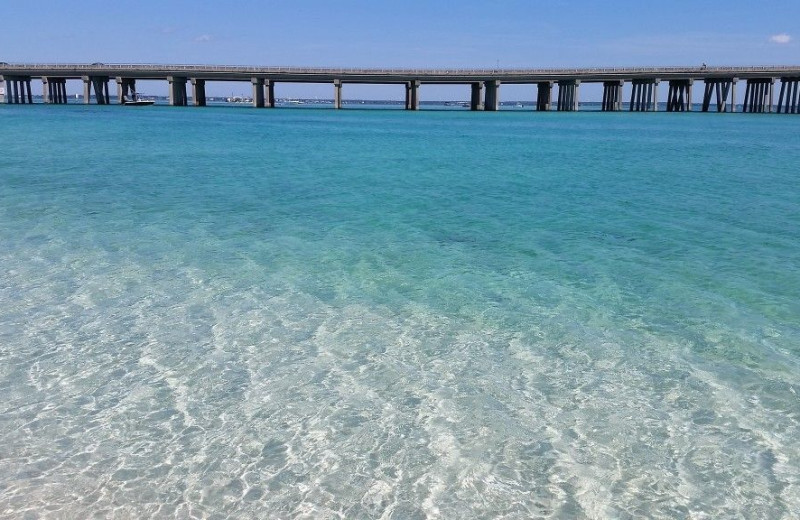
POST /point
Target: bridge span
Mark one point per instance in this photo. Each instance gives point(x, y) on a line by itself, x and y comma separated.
point(719, 84)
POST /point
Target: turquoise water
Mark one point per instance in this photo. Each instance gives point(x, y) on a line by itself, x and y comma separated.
point(286, 313)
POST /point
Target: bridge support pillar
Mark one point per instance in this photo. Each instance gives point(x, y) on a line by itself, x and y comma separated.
point(787, 99)
point(258, 92)
point(476, 96)
point(100, 86)
point(337, 93)
point(412, 95)
point(612, 96)
point(544, 96)
point(54, 90)
point(47, 90)
point(269, 92)
point(198, 92)
point(17, 90)
point(758, 95)
point(177, 91)
point(679, 95)
point(720, 88)
point(126, 90)
point(568, 91)
point(644, 95)
point(8, 90)
point(25, 88)
point(61, 91)
point(492, 99)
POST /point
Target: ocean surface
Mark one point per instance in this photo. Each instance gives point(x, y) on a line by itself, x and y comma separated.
point(240, 313)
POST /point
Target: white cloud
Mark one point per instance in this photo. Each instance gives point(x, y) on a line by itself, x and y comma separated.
point(780, 38)
point(203, 38)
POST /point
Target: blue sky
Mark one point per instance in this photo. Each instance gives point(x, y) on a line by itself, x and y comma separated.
point(410, 33)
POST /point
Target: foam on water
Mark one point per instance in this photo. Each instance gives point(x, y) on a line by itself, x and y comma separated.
point(323, 314)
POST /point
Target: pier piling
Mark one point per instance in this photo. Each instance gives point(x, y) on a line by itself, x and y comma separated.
point(644, 95)
point(758, 96)
point(198, 92)
point(337, 93)
point(612, 96)
point(787, 99)
point(100, 86)
point(412, 95)
point(126, 89)
point(269, 93)
point(258, 92)
point(679, 95)
point(54, 90)
point(568, 91)
point(544, 96)
point(177, 91)
point(476, 96)
point(720, 88)
point(17, 89)
point(492, 100)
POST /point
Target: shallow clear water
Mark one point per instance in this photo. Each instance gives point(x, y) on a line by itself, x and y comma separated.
point(380, 314)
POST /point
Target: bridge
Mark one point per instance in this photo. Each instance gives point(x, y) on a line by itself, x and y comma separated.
point(719, 84)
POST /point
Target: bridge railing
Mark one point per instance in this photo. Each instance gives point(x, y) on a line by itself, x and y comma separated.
point(122, 67)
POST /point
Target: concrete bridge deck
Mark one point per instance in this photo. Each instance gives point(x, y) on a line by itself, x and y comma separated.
point(366, 75)
point(720, 83)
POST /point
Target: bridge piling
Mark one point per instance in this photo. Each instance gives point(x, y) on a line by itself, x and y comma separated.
point(764, 99)
point(258, 92)
point(47, 91)
point(568, 95)
point(126, 89)
point(492, 100)
point(412, 95)
point(795, 107)
point(198, 92)
point(337, 94)
point(612, 96)
point(18, 90)
point(771, 94)
point(786, 104)
point(269, 93)
point(476, 96)
point(100, 86)
point(177, 91)
point(62, 91)
point(544, 96)
point(54, 90)
point(644, 95)
point(679, 95)
point(758, 95)
point(721, 87)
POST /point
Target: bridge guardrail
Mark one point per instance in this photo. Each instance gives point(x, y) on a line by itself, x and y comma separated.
point(394, 71)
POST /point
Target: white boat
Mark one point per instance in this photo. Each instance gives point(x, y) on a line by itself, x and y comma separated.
point(136, 101)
